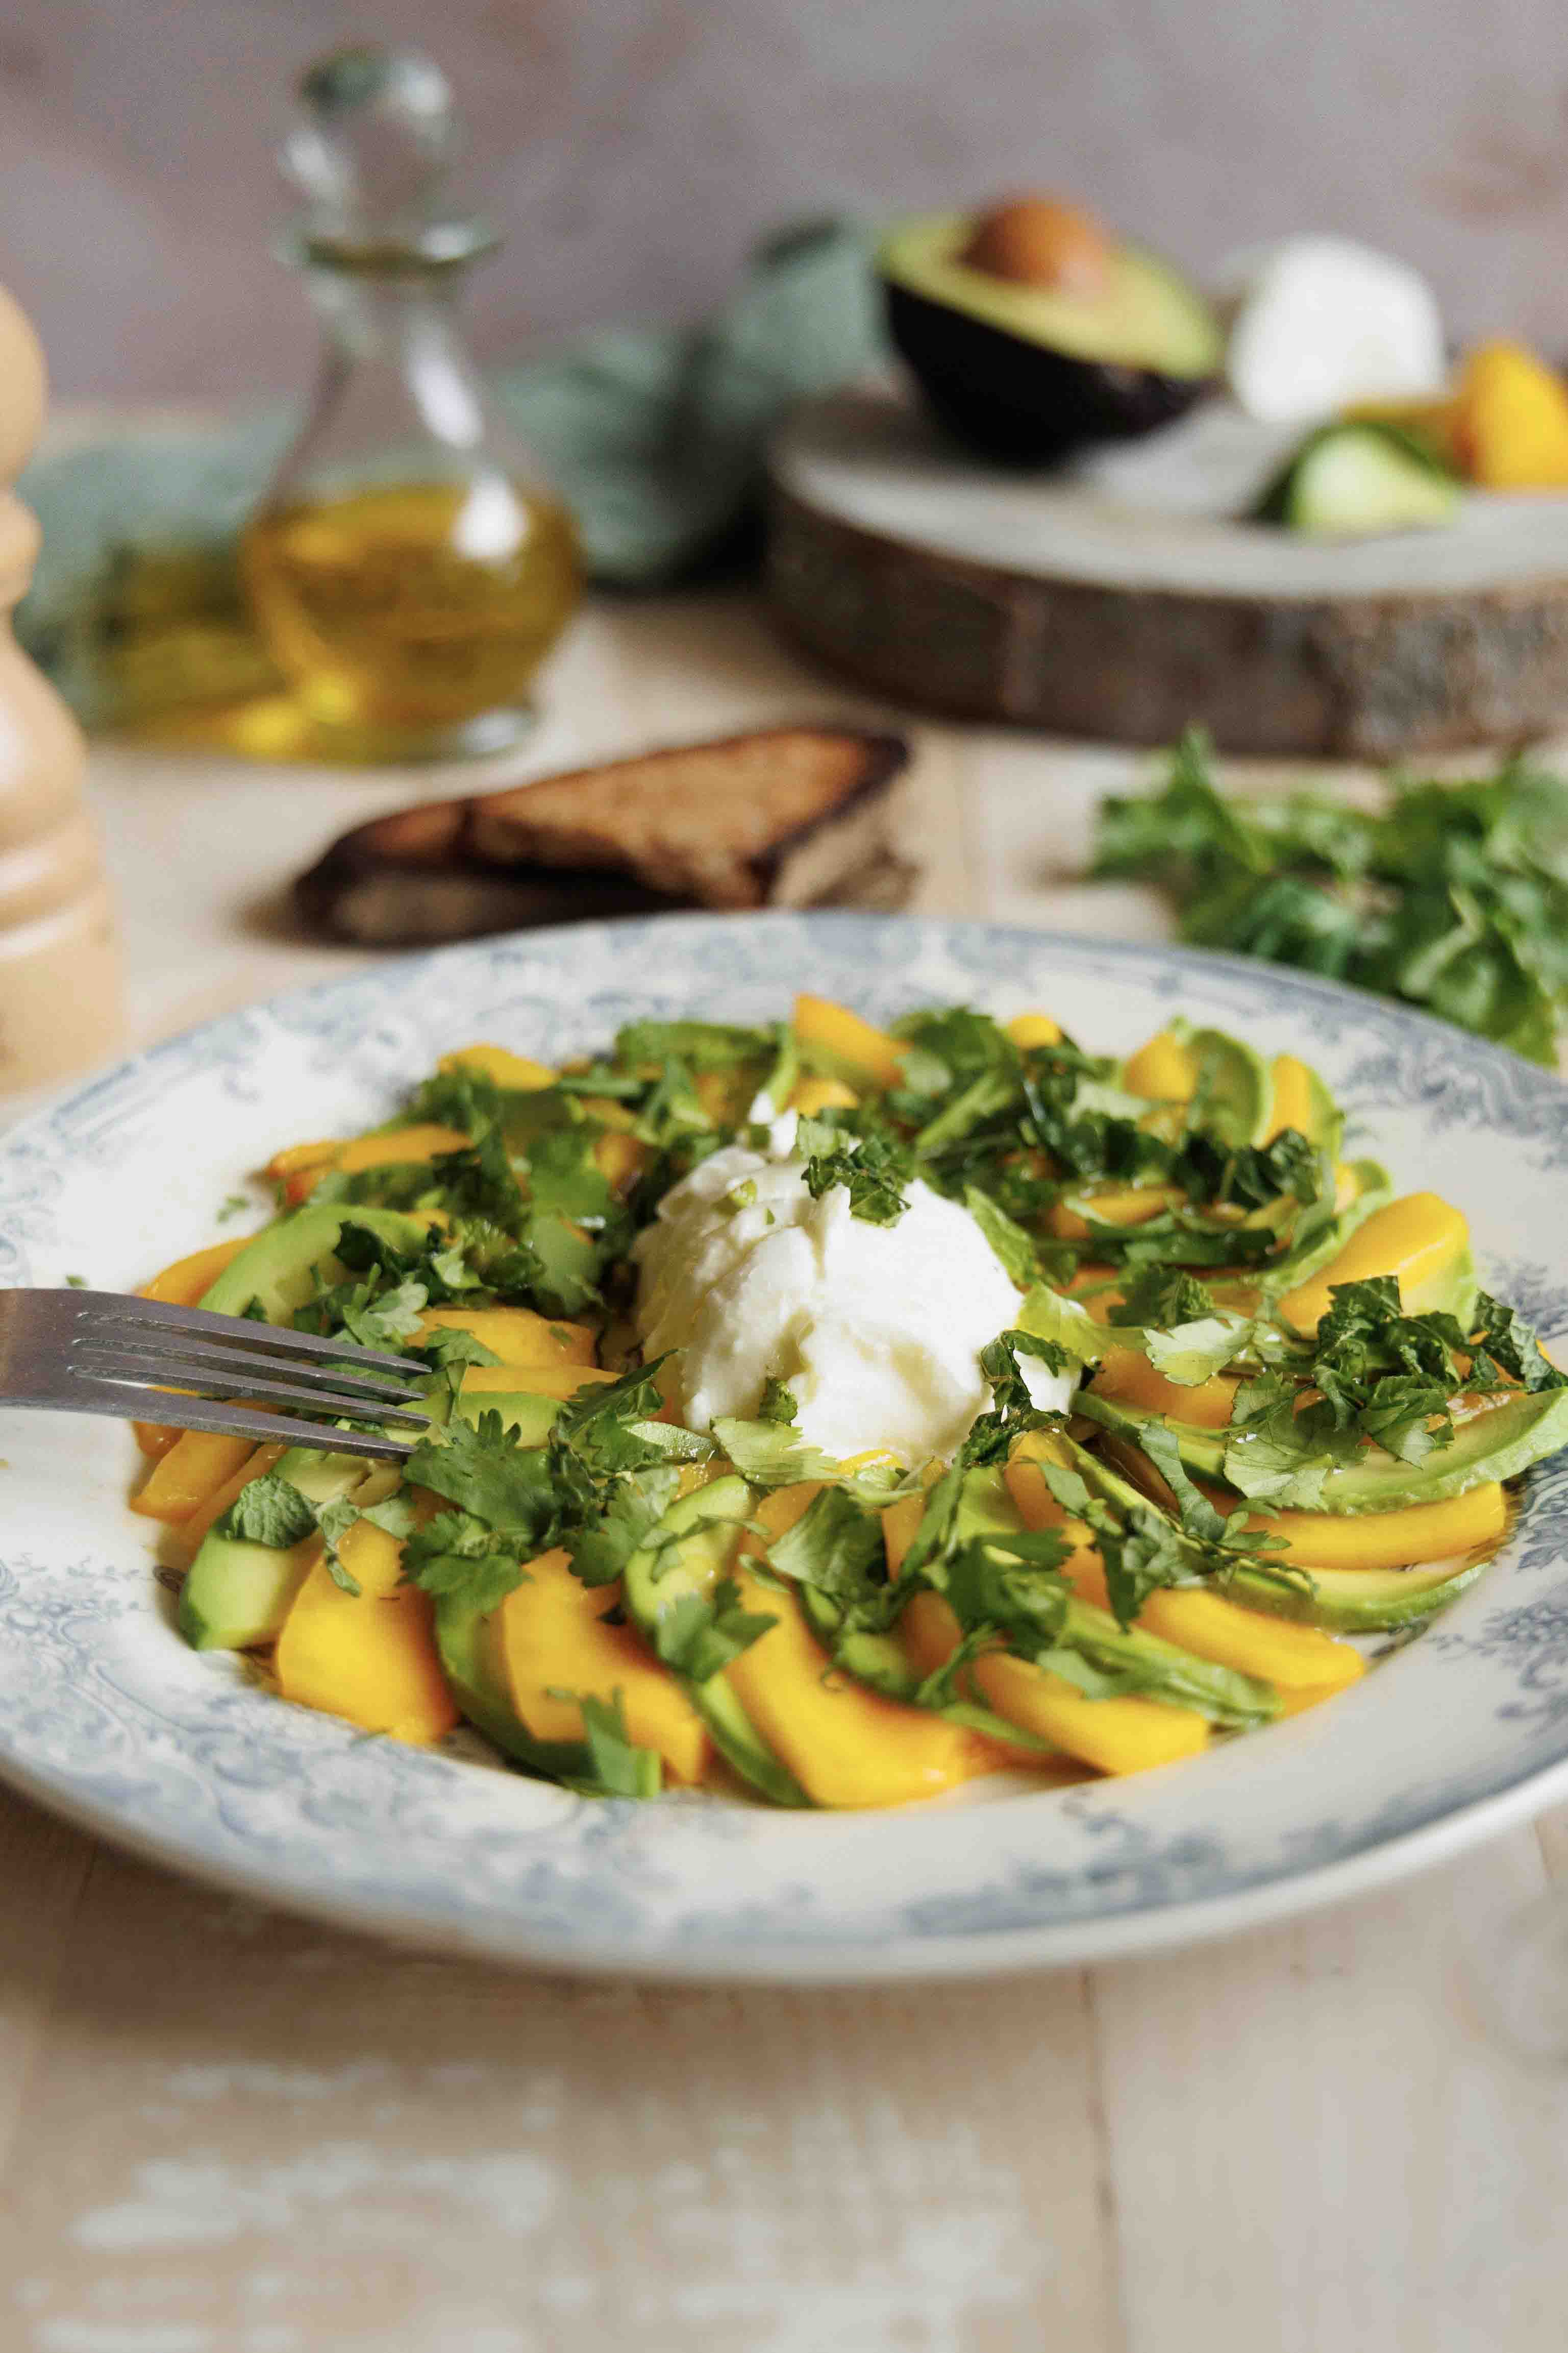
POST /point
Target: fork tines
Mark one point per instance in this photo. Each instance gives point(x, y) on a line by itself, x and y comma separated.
point(144, 1348)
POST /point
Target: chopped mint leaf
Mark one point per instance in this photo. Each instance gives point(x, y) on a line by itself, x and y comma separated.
point(233, 1204)
point(873, 1170)
point(742, 1197)
point(78, 1283)
point(270, 1510)
point(778, 1402)
point(1511, 1345)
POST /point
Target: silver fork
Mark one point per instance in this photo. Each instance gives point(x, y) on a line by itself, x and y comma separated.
point(104, 1351)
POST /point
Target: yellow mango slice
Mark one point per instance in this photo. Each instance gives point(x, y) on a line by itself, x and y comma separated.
point(554, 1640)
point(620, 1158)
point(844, 1035)
point(1420, 1239)
point(191, 1531)
point(1207, 1624)
point(1163, 1069)
point(1511, 420)
point(1405, 1538)
point(845, 1744)
point(1132, 1380)
point(1292, 1106)
point(1026, 1030)
point(558, 1380)
point(1118, 1735)
point(404, 1144)
point(194, 1467)
point(1113, 1205)
point(184, 1282)
point(369, 1656)
point(808, 1096)
point(518, 1071)
point(516, 1335)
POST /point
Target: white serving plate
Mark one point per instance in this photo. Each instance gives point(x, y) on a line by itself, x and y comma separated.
point(106, 1716)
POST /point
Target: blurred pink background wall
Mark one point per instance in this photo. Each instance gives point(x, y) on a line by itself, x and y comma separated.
point(633, 148)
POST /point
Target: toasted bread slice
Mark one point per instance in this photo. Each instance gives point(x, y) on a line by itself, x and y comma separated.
point(790, 816)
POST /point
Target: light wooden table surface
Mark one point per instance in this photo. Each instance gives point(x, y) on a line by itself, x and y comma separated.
point(225, 2132)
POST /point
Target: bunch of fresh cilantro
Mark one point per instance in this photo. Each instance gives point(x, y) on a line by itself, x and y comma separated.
point(1453, 897)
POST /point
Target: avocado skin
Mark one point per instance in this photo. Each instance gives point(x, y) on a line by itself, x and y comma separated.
point(1020, 402)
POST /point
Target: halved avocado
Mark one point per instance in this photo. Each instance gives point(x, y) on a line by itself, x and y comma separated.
point(1025, 371)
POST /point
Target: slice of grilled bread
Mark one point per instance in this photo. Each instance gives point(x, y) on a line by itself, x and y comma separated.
point(789, 816)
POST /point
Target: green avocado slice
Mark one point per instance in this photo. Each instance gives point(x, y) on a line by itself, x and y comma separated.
point(1339, 1600)
point(1497, 1444)
point(694, 1544)
point(237, 1592)
point(275, 1268)
point(1179, 1677)
point(469, 1641)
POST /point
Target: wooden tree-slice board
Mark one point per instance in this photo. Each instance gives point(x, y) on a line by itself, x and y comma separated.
point(1121, 598)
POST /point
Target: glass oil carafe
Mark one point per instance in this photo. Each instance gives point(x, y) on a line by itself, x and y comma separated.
point(408, 569)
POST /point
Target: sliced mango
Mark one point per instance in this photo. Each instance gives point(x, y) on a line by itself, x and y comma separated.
point(845, 1744)
point(808, 1096)
point(1132, 1380)
point(620, 1158)
point(1293, 1105)
point(1118, 1735)
point(843, 1036)
point(1113, 1205)
point(369, 1656)
point(401, 1144)
point(184, 1282)
point(1163, 1069)
point(515, 1072)
point(195, 1466)
point(516, 1335)
point(1510, 421)
point(1421, 1239)
point(555, 1642)
point(558, 1380)
point(191, 1531)
point(1407, 1539)
point(1026, 1030)
point(1207, 1624)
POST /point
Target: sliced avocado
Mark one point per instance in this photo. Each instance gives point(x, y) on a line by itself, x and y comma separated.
point(1236, 1089)
point(1024, 371)
point(531, 1418)
point(468, 1641)
point(1340, 1600)
point(276, 1267)
point(1372, 1189)
point(1356, 1601)
point(237, 1592)
point(1497, 1444)
point(1177, 1676)
point(1355, 481)
point(695, 1543)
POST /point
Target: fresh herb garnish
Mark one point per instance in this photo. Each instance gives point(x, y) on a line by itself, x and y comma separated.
point(1453, 897)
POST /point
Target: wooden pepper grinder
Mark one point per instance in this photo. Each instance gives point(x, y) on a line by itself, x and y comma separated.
point(60, 962)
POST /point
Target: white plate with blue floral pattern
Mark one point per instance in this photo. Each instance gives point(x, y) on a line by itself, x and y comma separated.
point(105, 1716)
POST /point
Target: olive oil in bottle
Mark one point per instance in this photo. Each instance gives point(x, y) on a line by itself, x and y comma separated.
point(408, 569)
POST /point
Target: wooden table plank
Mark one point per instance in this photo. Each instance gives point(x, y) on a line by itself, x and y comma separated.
point(246, 2121)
